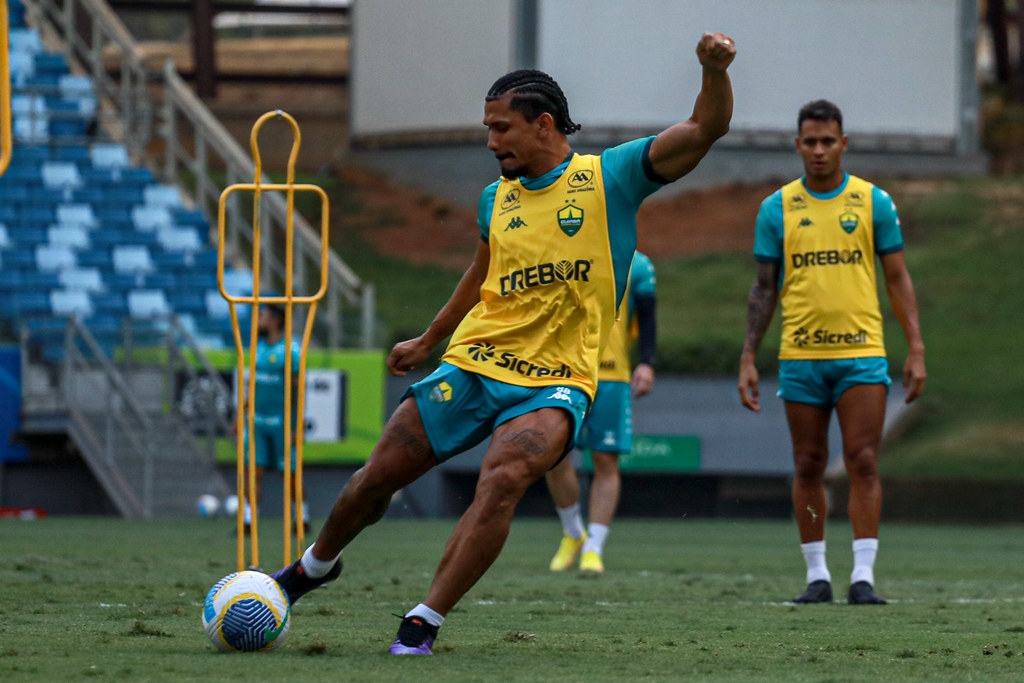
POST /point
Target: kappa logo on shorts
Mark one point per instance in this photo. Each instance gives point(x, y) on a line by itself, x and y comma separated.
point(442, 393)
point(562, 394)
point(609, 438)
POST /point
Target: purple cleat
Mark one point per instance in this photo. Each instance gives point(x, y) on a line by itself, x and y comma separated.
point(295, 583)
point(415, 637)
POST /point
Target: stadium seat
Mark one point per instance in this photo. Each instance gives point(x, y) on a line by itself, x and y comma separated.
point(51, 64)
point(5, 240)
point(71, 236)
point(51, 257)
point(187, 303)
point(36, 281)
point(151, 217)
point(132, 259)
point(25, 40)
point(144, 303)
point(85, 279)
point(173, 260)
point(19, 257)
point(67, 302)
point(160, 280)
point(76, 214)
point(31, 303)
point(27, 236)
point(72, 152)
point(10, 281)
point(30, 121)
point(109, 155)
point(61, 175)
point(79, 89)
point(110, 303)
point(166, 196)
point(179, 239)
point(95, 258)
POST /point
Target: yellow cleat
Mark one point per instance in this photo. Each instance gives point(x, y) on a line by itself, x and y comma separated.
point(568, 549)
point(591, 562)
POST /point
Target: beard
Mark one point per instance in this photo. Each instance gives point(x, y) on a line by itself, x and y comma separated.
point(509, 173)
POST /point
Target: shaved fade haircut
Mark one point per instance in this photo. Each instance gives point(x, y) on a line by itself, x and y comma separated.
point(819, 110)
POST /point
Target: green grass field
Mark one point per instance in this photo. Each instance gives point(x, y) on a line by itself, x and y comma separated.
point(681, 599)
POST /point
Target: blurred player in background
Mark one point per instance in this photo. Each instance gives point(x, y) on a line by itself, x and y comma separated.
point(268, 403)
point(529, 318)
point(608, 428)
point(815, 243)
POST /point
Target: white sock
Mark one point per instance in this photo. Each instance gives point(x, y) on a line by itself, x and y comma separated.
point(314, 567)
point(572, 521)
point(814, 556)
point(305, 511)
point(864, 552)
point(247, 514)
point(428, 615)
point(596, 534)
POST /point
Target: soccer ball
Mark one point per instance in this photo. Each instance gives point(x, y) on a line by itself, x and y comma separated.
point(207, 505)
point(246, 612)
point(231, 505)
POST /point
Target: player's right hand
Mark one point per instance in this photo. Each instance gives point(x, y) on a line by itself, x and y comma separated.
point(407, 355)
point(750, 395)
point(716, 51)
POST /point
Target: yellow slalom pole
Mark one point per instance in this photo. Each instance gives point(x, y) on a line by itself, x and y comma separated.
point(289, 299)
point(6, 139)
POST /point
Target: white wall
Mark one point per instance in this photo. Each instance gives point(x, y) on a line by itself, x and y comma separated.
point(893, 66)
point(425, 66)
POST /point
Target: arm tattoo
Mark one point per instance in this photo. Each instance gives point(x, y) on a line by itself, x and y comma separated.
point(530, 441)
point(761, 302)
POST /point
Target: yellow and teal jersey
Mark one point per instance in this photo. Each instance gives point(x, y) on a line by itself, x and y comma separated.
point(560, 251)
point(268, 402)
point(825, 245)
point(615, 364)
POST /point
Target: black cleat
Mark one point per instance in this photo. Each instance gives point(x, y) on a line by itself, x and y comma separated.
point(863, 593)
point(415, 637)
point(817, 592)
point(295, 583)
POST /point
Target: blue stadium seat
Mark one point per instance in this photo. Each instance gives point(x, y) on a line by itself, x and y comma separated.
point(147, 217)
point(71, 236)
point(143, 303)
point(49, 64)
point(132, 259)
point(192, 217)
point(18, 257)
point(31, 303)
point(37, 281)
point(71, 152)
point(10, 280)
point(109, 156)
point(51, 257)
point(76, 214)
point(85, 279)
point(122, 282)
point(180, 239)
point(11, 193)
point(30, 237)
point(187, 303)
point(95, 258)
point(66, 302)
point(197, 280)
point(110, 303)
point(160, 280)
point(172, 260)
point(167, 196)
point(61, 175)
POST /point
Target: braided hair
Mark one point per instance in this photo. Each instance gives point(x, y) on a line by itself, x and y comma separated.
point(534, 93)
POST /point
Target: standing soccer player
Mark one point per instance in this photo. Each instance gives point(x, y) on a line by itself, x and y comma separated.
point(268, 402)
point(608, 428)
point(815, 244)
point(529, 318)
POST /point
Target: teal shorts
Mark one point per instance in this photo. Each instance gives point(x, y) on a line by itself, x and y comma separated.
point(609, 424)
point(822, 383)
point(269, 446)
point(460, 409)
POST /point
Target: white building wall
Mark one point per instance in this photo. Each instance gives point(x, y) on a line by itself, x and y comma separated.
point(893, 66)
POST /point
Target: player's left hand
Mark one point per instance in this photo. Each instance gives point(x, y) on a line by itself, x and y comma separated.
point(643, 380)
point(716, 51)
point(407, 355)
point(914, 376)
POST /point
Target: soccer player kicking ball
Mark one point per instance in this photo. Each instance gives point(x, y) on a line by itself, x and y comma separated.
point(815, 243)
point(608, 428)
point(528, 320)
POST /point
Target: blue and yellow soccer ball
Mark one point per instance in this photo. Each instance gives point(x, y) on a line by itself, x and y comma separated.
point(246, 612)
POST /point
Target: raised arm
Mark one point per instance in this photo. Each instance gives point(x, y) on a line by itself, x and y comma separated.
point(406, 355)
point(904, 304)
point(678, 149)
point(764, 294)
